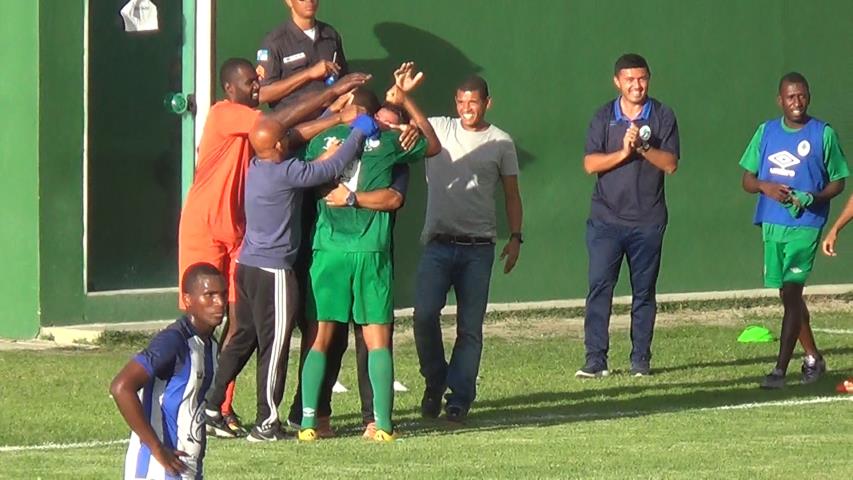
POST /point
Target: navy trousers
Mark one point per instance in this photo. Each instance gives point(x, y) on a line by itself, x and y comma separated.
point(607, 244)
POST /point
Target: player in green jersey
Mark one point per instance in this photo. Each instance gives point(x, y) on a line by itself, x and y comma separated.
point(352, 254)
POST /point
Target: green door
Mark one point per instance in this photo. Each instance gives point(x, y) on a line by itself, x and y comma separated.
point(136, 148)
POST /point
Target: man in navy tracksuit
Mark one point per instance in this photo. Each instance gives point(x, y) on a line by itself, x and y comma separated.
point(266, 283)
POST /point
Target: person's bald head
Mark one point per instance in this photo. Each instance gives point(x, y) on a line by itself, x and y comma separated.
point(269, 140)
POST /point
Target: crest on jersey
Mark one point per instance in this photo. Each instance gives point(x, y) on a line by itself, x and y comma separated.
point(804, 148)
point(783, 160)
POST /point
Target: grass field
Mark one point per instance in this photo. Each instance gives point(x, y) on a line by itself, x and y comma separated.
point(700, 415)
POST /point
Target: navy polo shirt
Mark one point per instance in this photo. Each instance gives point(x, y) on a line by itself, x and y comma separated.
point(631, 194)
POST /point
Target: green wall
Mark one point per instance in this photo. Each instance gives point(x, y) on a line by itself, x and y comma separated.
point(60, 164)
point(19, 103)
point(549, 65)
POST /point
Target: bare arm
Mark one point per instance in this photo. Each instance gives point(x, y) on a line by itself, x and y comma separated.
point(514, 216)
point(279, 89)
point(383, 200)
point(124, 390)
point(433, 143)
point(594, 163)
point(313, 101)
point(405, 82)
point(661, 159)
point(828, 245)
point(776, 191)
point(830, 191)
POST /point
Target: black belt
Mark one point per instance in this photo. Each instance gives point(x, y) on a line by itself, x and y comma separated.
point(462, 239)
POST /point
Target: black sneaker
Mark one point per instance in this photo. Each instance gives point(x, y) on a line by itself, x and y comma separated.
point(430, 405)
point(592, 371)
point(812, 370)
point(640, 371)
point(234, 424)
point(456, 414)
point(215, 425)
point(268, 433)
point(774, 380)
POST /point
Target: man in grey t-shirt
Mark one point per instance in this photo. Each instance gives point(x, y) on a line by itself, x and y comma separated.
point(459, 234)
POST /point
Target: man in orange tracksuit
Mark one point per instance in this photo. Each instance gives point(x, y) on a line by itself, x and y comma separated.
point(213, 220)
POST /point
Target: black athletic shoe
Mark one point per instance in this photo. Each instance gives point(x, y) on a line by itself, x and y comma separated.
point(592, 371)
point(641, 371)
point(430, 405)
point(456, 414)
point(774, 380)
point(235, 425)
point(217, 427)
point(269, 433)
point(813, 370)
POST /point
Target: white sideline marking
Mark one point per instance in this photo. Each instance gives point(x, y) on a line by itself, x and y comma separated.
point(839, 331)
point(637, 413)
point(601, 416)
point(62, 446)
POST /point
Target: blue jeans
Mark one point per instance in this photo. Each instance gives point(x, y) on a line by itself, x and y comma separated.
point(607, 244)
point(468, 269)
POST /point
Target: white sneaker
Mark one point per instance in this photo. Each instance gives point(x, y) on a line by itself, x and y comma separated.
point(339, 388)
point(399, 387)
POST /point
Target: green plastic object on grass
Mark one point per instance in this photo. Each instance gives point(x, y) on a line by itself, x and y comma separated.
point(755, 334)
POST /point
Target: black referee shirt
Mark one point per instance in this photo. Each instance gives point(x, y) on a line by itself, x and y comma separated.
point(288, 50)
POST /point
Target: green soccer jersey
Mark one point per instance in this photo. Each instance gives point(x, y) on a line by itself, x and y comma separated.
point(836, 169)
point(360, 229)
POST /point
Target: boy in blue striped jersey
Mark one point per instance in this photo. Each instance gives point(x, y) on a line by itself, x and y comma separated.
point(160, 392)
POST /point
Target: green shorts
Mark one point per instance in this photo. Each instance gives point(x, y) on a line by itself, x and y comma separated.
point(351, 285)
point(788, 262)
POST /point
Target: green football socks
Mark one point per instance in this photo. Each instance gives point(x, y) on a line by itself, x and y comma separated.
point(312, 379)
point(380, 366)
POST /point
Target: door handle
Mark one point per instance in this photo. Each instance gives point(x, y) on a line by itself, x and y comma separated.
point(179, 103)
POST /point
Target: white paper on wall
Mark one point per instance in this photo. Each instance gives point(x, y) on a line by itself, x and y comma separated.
point(140, 16)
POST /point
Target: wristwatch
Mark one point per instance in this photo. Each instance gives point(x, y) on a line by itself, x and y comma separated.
point(516, 235)
point(351, 199)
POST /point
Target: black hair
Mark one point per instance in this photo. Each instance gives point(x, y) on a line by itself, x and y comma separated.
point(475, 83)
point(363, 97)
point(196, 271)
point(398, 110)
point(630, 60)
point(794, 78)
point(229, 69)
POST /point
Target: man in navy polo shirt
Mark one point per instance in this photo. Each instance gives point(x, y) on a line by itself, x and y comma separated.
point(631, 143)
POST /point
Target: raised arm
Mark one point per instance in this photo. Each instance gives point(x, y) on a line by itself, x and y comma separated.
point(313, 101)
point(278, 89)
point(405, 82)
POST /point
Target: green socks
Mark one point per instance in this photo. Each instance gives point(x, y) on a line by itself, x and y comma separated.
point(312, 379)
point(380, 366)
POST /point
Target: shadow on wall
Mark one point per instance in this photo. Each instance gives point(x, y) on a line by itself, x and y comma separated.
point(445, 66)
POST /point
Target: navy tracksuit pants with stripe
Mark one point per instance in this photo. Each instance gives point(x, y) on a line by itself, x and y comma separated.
point(267, 304)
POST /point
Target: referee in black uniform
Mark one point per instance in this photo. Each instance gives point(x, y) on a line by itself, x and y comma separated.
point(298, 56)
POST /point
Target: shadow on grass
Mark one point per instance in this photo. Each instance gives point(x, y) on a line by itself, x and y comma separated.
point(645, 396)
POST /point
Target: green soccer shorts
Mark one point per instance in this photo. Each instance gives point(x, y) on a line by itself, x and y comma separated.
point(788, 262)
point(354, 285)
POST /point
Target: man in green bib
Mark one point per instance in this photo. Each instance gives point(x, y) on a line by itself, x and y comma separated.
point(350, 275)
point(796, 166)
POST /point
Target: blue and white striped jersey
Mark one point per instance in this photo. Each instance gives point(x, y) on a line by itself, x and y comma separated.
point(181, 366)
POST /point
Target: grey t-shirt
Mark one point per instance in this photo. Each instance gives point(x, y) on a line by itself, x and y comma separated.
point(461, 179)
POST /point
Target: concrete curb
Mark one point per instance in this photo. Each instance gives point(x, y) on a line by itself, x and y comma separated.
point(78, 334)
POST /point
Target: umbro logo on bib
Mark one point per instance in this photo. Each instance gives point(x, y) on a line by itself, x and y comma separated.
point(783, 160)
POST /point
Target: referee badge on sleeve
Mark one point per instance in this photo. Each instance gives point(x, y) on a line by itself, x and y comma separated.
point(263, 55)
